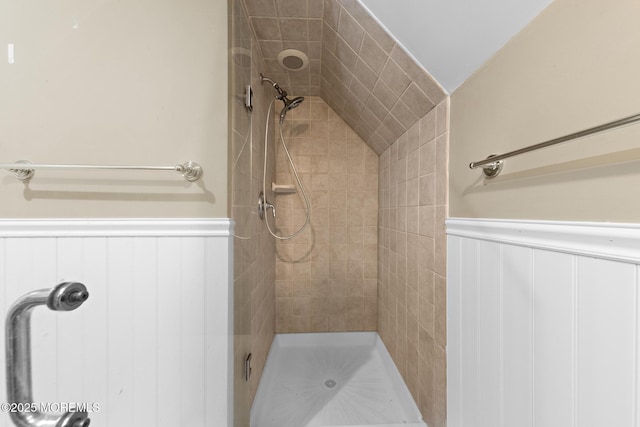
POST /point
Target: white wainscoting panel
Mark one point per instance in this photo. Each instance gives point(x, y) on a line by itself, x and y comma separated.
point(153, 344)
point(543, 324)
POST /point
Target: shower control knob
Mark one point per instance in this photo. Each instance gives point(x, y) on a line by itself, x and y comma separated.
point(263, 205)
point(273, 208)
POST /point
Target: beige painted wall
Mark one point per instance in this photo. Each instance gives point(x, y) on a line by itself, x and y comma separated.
point(575, 66)
point(105, 82)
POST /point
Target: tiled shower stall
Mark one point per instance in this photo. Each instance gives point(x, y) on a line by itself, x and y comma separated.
point(370, 143)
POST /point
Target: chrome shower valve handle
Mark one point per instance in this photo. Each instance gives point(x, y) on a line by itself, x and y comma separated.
point(270, 206)
point(263, 205)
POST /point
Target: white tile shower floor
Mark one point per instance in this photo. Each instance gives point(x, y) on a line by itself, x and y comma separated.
point(332, 379)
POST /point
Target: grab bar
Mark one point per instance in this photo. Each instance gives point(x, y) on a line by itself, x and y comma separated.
point(493, 163)
point(24, 169)
point(66, 296)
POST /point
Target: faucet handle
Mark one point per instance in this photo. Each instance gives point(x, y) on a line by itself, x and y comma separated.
point(263, 205)
point(273, 208)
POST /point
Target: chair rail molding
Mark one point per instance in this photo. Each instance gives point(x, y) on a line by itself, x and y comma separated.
point(612, 241)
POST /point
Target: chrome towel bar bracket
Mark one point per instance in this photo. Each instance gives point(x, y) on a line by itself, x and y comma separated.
point(66, 296)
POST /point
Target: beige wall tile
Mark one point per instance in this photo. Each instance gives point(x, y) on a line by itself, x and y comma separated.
point(320, 284)
point(412, 259)
point(338, 323)
point(440, 241)
point(283, 288)
point(315, 34)
point(442, 171)
point(292, 8)
point(404, 115)
point(401, 193)
point(414, 192)
point(427, 251)
point(365, 75)
point(386, 99)
point(350, 30)
point(325, 275)
point(401, 169)
point(395, 78)
point(413, 219)
point(261, 8)
point(442, 117)
point(413, 165)
point(372, 54)
point(428, 158)
point(440, 315)
point(426, 398)
point(369, 24)
point(440, 387)
point(319, 323)
point(300, 323)
point(428, 190)
point(266, 28)
point(428, 127)
point(416, 100)
point(294, 29)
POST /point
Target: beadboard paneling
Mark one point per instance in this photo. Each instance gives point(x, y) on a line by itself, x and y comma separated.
point(153, 343)
point(540, 334)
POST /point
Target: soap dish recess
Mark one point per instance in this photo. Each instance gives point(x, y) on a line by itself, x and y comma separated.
point(283, 188)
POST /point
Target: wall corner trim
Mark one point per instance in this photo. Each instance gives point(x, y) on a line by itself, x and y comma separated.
point(151, 227)
point(613, 241)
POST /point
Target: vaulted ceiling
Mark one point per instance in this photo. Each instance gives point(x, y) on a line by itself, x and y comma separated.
point(453, 38)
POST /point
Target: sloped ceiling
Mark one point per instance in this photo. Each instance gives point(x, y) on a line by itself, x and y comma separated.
point(356, 66)
point(454, 38)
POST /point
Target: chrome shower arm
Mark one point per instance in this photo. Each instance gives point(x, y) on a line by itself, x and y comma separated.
point(264, 78)
point(64, 297)
point(282, 94)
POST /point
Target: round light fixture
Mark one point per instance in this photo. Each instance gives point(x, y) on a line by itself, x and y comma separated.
point(293, 60)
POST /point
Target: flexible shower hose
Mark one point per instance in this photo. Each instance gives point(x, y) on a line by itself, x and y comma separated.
point(295, 174)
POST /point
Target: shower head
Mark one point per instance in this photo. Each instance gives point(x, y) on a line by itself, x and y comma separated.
point(289, 104)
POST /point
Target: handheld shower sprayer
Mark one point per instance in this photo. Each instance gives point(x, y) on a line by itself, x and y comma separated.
point(289, 104)
point(263, 204)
